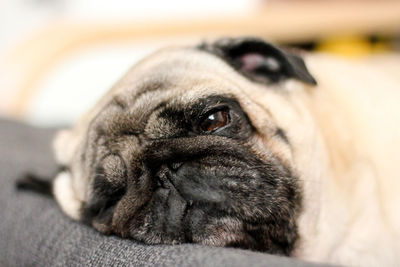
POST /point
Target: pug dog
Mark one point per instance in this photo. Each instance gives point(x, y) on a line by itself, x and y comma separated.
point(233, 143)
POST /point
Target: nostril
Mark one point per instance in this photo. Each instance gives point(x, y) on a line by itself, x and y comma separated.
point(160, 183)
point(166, 173)
point(161, 177)
point(175, 165)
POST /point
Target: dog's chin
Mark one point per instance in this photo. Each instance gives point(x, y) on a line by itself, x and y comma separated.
point(169, 219)
point(161, 221)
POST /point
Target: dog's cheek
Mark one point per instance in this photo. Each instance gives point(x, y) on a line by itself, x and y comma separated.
point(224, 231)
point(108, 188)
point(215, 231)
point(99, 212)
point(102, 222)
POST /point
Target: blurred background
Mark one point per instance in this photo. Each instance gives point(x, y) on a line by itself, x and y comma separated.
point(57, 57)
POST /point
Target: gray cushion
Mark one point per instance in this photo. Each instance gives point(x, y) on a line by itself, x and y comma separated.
point(33, 231)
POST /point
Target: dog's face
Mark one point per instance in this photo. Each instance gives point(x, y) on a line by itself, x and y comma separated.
point(193, 145)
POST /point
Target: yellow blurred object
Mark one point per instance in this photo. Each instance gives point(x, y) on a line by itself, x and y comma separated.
point(351, 46)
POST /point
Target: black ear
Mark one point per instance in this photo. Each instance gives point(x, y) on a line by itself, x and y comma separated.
point(36, 184)
point(259, 60)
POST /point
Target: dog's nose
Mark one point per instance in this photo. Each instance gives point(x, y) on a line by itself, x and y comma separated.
point(190, 182)
point(195, 185)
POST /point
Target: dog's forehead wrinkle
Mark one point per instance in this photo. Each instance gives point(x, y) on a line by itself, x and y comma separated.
point(159, 127)
point(146, 85)
point(145, 111)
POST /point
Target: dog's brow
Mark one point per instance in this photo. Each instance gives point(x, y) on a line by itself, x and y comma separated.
point(119, 102)
point(148, 87)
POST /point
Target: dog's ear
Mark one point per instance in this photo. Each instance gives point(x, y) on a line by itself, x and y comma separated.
point(260, 60)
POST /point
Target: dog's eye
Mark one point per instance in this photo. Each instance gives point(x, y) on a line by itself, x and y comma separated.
point(214, 121)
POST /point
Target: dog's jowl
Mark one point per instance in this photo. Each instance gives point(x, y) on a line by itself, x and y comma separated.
point(240, 143)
